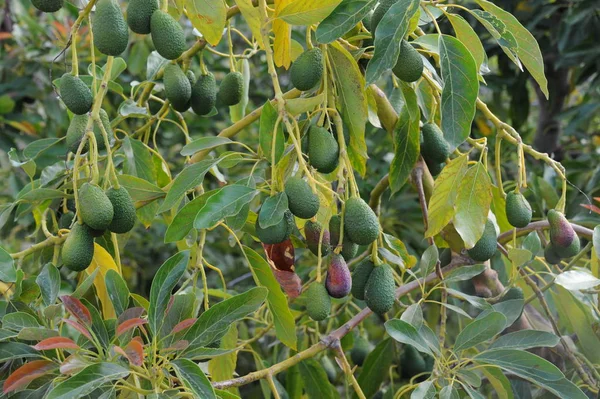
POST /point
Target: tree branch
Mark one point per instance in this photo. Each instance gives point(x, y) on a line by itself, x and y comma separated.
point(542, 225)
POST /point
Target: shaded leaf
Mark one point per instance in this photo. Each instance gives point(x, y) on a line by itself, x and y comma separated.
point(49, 282)
point(480, 330)
point(375, 367)
point(526, 339)
point(342, 19)
point(522, 363)
point(193, 378)
point(405, 333)
point(88, 380)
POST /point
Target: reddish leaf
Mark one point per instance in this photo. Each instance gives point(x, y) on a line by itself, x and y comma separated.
point(131, 313)
point(134, 352)
point(79, 328)
point(139, 339)
point(182, 325)
point(281, 255)
point(28, 372)
point(289, 281)
point(56, 343)
point(592, 208)
point(129, 324)
point(178, 346)
point(77, 309)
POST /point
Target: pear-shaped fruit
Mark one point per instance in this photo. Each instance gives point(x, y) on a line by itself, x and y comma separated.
point(339, 280)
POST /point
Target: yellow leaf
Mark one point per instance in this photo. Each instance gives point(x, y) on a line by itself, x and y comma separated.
point(209, 17)
point(104, 262)
point(307, 12)
point(252, 17)
point(282, 46)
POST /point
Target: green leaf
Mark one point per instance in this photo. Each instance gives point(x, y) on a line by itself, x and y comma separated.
point(203, 143)
point(221, 203)
point(449, 392)
point(222, 368)
point(413, 315)
point(183, 221)
point(405, 333)
point(272, 210)
point(577, 280)
point(468, 37)
point(138, 160)
point(16, 350)
point(315, 380)
point(341, 20)
point(307, 12)
point(35, 148)
point(140, 189)
point(18, 320)
point(519, 256)
point(209, 17)
point(428, 260)
point(193, 378)
point(8, 273)
point(459, 95)
point(85, 285)
point(480, 330)
point(285, 326)
point(504, 37)
point(163, 283)
point(238, 111)
point(406, 139)
point(375, 367)
point(98, 326)
point(425, 390)
point(391, 30)
point(267, 134)
point(498, 381)
point(476, 301)
point(88, 380)
point(351, 103)
point(562, 388)
point(181, 308)
point(42, 194)
point(445, 191)
point(464, 273)
point(526, 339)
point(117, 291)
point(596, 239)
point(36, 333)
point(511, 309)
point(297, 106)
point(522, 363)
point(473, 204)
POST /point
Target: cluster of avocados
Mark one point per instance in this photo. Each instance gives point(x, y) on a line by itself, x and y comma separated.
point(112, 210)
point(564, 242)
point(375, 285)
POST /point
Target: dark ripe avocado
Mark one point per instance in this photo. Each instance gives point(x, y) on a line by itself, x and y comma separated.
point(307, 70)
point(177, 87)
point(124, 210)
point(95, 208)
point(360, 222)
point(139, 14)
point(412, 362)
point(349, 249)
point(338, 281)
point(561, 231)
point(569, 251)
point(312, 231)
point(167, 35)
point(278, 233)
point(109, 28)
point(323, 149)
point(302, 202)
point(204, 94)
point(66, 219)
point(380, 291)
point(318, 304)
point(231, 89)
point(360, 350)
point(550, 254)
point(47, 5)
point(75, 94)
point(434, 148)
point(409, 66)
point(360, 277)
point(379, 12)
point(485, 248)
point(518, 210)
point(78, 249)
point(76, 131)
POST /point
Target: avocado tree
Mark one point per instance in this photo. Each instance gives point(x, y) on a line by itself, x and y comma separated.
point(251, 130)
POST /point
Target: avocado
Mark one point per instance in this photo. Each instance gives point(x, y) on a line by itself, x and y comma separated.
point(139, 14)
point(75, 94)
point(550, 254)
point(124, 210)
point(66, 219)
point(95, 208)
point(278, 233)
point(512, 294)
point(409, 66)
point(323, 149)
point(569, 251)
point(412, 362)
point(307, 70)
point(485, 248)
point(231, 89)
point(349, 249)
point(318, 303)
point(338, 281)
point(379, 12)
point(47, 5)
point(312, 231)
point(329, 368)
point(360, 277)
point(97, 233)
point(380, 291)
point(78, 248)
point(76, 131)
point(204, 94)
point(109, 28)
point(561, 231)
point(302, 202)
point(435, 168)
point(361, 225)
point(518, 210)
point(434, 148)
point(445, 257)
point(167, 35)
point(360, 350)
point(177, 87)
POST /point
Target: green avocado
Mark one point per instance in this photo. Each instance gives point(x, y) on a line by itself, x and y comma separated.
point(409, 66)
point(307, 69)
point(380, 291)
point(361, 224)
point(518, 210)
point(66, 219)
point(570, 251)
point(124, 210)
point(360, 277)
point(302, 201)
point(177, 87)
point(379, 12)
point(78, 248)
point(231, 89)
point(139, 14)
point(76, 131)
point(323, 149)
point(434, 148)
point(349, 249)
point(561, 231)
point(75, 94)
point(318, 303)
point(95, 208)
point(109, 28)
point(47, 5)
point(204, 94)
point(312, 232)
point(550, 254)
point(412, 362)
point(435, 168)
point(167, 35)
point(360, 350)
point(485, 248)
point(278, 233)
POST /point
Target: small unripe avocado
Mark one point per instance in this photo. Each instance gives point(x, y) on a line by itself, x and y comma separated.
point(76, 131)
point(109, 28)
point(231, 89)
point(278, 233)
point(75, 94)
point(360, 350)
point(434, 148)
point(409, 66)
point(550, 254)
point(360, 277)
point(78, 249)
point(412, 362)
point(514, 293)
point(124, 210)
point(323, 149)
point(95, 208)
point(312, 231)
point(518, 210)
point(307, 70)
point(435, 168)
point(47, 5)
point(318, 304)
point(569, 251)
point(561, 231)
point(330, 369)
point(338, 281)
point(167, 35)
point(485, 248)
point(360, 222)
point(302, 202)
point(349, 249)
point(66, 219)
point(139, 14)
point(177, 87)
point(380, 291)
point(379, 12)
point(204, 94)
